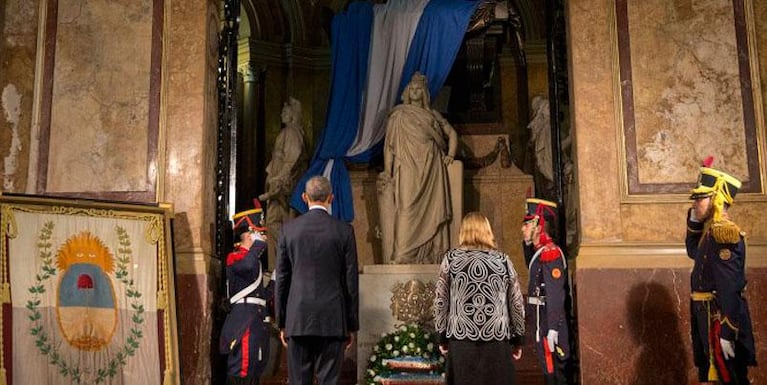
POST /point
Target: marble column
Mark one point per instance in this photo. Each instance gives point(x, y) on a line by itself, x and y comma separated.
point(189, 149)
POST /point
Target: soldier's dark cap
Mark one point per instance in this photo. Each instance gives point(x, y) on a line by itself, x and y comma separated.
point(711, 181)
point(248, 220)
point(539, 208)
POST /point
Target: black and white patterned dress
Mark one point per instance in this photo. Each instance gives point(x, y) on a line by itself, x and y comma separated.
point(479, 311)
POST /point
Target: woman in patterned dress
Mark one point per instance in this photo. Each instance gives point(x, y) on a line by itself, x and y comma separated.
point(478, 309)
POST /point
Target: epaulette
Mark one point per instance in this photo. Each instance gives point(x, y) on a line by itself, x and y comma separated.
point(725, 231)
point(550, 253)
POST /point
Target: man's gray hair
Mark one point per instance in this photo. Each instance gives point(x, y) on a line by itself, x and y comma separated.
point(318, 188)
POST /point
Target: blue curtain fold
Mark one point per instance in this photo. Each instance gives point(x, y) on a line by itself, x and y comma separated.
point(432, 51)
point(437, 41)
point(350, 41)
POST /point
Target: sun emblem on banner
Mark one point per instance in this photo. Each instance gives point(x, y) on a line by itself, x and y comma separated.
point(86, 305)
point(86, 310)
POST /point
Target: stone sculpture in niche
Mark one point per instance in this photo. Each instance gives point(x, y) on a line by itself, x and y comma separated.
point(287, 164)
point(414, 194)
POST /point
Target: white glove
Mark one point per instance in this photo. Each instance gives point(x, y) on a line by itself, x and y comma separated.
point(256, 236)
point(552, 339)
point(693, 218)
point(728, 350)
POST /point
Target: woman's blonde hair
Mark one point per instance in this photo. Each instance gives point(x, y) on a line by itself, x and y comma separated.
point(476, 232)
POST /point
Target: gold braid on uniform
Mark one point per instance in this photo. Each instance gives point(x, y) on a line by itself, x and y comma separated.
point(725, 231)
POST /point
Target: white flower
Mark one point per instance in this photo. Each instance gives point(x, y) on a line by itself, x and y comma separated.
point(371, 372)
point(378, 378)
point(430, 346)
point(418, 350)
point(395, 353)
point(441, 359)
point(426, 355)
point(376, 348)
point(396, 338)
point(388, 346)
point(383, 334)
point(373, 358)
point(412, 335)
point(425, 335)
point(404, 349)
point(403, 328)
point(412, 345)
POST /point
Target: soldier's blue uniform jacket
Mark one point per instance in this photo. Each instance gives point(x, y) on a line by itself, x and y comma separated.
point(547, 291)
point(718, 308)
point(244, 336)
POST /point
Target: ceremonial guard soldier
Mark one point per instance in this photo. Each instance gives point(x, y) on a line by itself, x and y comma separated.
point(722, 339)
point(547, 291)
point(245, 334)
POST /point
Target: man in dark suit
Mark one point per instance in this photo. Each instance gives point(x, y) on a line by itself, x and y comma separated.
point(316, 296)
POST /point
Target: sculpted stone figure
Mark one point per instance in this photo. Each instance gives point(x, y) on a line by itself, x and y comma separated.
point(414, 194)
point(287, 164)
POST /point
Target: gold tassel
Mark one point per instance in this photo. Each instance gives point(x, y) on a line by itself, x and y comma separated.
point(5, 292)
point(161, 300)
point(712, 375)
point(3, 381)
point(725, 232)
point(167, 380)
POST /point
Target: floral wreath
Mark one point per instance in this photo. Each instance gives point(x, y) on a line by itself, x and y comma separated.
point(407, 341)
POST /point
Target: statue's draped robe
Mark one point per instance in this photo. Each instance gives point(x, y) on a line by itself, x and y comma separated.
point(287, 164)
point(421, 195)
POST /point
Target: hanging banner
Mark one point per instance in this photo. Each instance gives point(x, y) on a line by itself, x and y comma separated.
point(87, 293)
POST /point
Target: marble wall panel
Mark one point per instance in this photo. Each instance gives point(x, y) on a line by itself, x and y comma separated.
point(102, 90)
point(665, 222)
point(634, 322)
point(760, 15)
point(686, 92)
point(18, 44)
point(607, 214)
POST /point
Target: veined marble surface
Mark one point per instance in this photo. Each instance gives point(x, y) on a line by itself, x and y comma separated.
point(100, 101)
point(687, 92)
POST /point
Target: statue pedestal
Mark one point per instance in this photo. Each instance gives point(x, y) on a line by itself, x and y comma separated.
point(376, 284)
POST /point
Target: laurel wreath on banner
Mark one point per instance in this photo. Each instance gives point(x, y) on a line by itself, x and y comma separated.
point(42, 340)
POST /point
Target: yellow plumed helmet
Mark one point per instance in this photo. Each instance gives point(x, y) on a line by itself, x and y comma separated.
point(718, 185)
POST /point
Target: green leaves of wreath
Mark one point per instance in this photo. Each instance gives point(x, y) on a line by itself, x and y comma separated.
point(407, 340)
point(42, 340)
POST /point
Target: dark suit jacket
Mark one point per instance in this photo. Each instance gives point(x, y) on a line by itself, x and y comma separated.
point(317, 291)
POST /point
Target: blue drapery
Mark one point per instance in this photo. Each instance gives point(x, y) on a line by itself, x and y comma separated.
point(432, 52)
point(350, 40)
point(437, 41)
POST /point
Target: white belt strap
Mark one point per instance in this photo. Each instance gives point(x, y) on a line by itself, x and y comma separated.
point(535, 256)
point(537, 324)
point(537, 302)
point(252, 300)
point(249, 289)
